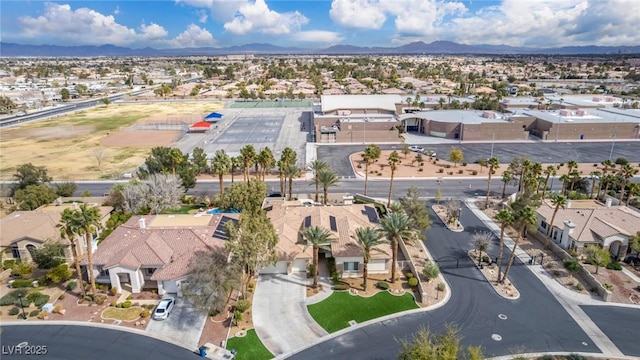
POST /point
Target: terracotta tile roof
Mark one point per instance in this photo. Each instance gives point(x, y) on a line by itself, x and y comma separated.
point(166, 244)
point(594, 223)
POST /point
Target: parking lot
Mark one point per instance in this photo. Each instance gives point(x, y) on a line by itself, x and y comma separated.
point(183, 325)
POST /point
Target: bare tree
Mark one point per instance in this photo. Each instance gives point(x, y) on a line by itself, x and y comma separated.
point(211, 281)
point(453, 210)
point(481, 241)
point(101, 156)
point(163, 191)
point(134, 198)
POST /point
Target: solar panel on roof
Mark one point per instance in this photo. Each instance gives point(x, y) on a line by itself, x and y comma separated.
point(221, 229)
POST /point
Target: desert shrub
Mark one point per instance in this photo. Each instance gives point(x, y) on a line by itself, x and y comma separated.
point(100, 299)
point(546, 357)
point(21, 283)
point(575, 357)
point(448, 166)
point(441, 170)
point(243, 305)
point(464, 164)
point(12, 297)
point(129, 297)
point(460, 171)
point(409, 275)
point(22, 269)
point(37, 298)
point(579, 287)
point(59, 274)
point(145, 313)
point(113, 304)
point(9, 263)
point(572, 265)
point(431, 270)
point(341, 287)
point(14, 311)
point(57, 309)
point(382, 285)
point(49, 255)
point(61, 297)
point(213, 312)
point(72, 285)
point(450, 173)
point(486, 259)
point(474, 172)
point(614, 266)
point(34, 313)
point(88, 298)
point(43, 314)
point(441, 286)
point(126, 304)
point(113, 291)
point(237, 315)
point(420, 169)
point(556, 273)
point(607, 286)
point(412, 282)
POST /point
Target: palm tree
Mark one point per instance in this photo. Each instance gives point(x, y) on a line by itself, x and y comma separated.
point(626, 172)
point(370, 155)
point(505, 218)
point(86, 221)
point(536, 172)
point(266, 160)
point(506, 178)
point(68, 231)
point(565, 179)
point(526, 216)
point(549, 172)
point(288, 157)
point(596, 176)
point(396, 226)
point(574, 177)
point(558, 201)
point(290, 172)
point(236, 164)
point(526, 166)
point(394, 160)
point(221, 165)
point(316, 166)
point(367, 239)
point(493, 164)
point(327, 178)
point(606, 166)
point(319, 238)
point(248, 155)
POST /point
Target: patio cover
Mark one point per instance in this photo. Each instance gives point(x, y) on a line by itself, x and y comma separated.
point(213, 116)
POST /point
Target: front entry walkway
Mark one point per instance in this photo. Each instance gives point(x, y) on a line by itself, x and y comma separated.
point(280, 315)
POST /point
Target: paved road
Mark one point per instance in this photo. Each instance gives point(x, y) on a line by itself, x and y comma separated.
point(535, 322)
point(77, 342)
point(621, 324)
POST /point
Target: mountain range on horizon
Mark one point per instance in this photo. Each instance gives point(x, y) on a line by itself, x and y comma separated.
point(414, 48)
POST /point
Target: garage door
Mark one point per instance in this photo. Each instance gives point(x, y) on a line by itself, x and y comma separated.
point(170, 286)
point(299, 265)
point(279, 268)
point(377, 265)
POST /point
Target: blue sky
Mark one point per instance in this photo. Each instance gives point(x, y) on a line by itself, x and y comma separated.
point(320, 23)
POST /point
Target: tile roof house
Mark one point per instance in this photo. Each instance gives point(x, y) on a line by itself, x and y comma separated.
point(585, 222)
point(21, 232)
point(155, 251)
point(290, 217)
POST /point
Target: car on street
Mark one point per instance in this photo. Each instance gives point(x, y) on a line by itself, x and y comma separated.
point(429, 153)
point(164, 308)
point(415, 148)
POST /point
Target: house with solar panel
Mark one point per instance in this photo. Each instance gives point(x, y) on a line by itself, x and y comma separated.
point(154, 252)
point(290, 217)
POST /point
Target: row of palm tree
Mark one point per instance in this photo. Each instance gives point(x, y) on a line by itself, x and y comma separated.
point(81, 222)
point(525, 218)
point(395, 227)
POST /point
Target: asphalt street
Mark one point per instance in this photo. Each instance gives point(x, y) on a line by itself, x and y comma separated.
point(76, 342)
point(535, 322)
point(621, 324)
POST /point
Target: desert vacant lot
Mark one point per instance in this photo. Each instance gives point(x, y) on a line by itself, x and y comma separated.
point(68, 145)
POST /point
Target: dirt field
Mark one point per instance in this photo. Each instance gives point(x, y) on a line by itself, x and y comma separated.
point(69, 146)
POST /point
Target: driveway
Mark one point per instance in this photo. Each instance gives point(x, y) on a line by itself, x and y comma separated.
point(184, 325)
point(280, 315)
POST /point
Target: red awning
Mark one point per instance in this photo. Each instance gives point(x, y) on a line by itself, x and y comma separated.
point(201, 124)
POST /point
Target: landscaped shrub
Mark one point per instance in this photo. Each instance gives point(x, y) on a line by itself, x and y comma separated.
point(431, 270)
point(37, 298)
point(72, 285)
point(213, 312)
point(409, 275)
point(579, 287)
point(14, 311)
point(243, 305)
point(441, 170)
point(412, 282)
point(12, 297)
point(58, 274)
point(34, 313)
point(486, 259)
point(441, 286)
point(126, 304)
point(113, 291)
point(614, 266)
point(572, 265)
point(129, 297)
point(464, 164)
point(474, 172)
point(460, 171)
point(9, 264)
point(21, 283)
point(57, 309)
point(382, 285)
point(145, 313)
point(43, 315)
point(113, 304)
point(575, 357)
point(607, 286)
point(341, 287)
point(100, 299)
point(22, 269)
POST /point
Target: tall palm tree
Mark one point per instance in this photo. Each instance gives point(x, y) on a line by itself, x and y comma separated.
point(370, 155)
point(367, 239)
point(536, 172)
point(506, 178)
point(288, 157)
point(626, 172)
point(549, 172)
point(526, 166)
point(290, 172)
point(316, 166)
point(68, 231)
point(558, 201)
point(574, 177)
point(393, 160)
point(596, 176)
point(505, 218)
point(221, 165)
point(493, 164)
point(607, 180)
point(526, 217)
point(236, 164)
point(266, 160)
point(248, 155)
point(86, 220)
point(318, 238)
point(565, 179)
point(396, 226)
point(327, 178)
point(606, 166)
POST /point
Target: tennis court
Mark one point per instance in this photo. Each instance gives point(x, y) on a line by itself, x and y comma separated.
point(257, 130)
point(270, 104)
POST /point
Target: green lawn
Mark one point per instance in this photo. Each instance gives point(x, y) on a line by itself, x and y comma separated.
point(130, 314)
point(184, 209)
point(335, 312)
point(249, 347)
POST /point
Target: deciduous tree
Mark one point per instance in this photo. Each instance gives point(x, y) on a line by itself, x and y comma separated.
point(417, 211)
point(210, 281)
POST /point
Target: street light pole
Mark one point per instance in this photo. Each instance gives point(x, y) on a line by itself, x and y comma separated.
point(493, 138)
point(24, 316)
point(613, 142)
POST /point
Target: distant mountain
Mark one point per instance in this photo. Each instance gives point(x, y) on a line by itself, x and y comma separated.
point(418, 47)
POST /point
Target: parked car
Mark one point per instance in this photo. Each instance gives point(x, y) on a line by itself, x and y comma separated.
point(633, 260)
point(429, 153)
point(415, 148)
point(164, 308)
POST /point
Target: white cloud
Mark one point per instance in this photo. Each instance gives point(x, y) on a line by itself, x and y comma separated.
point(117, 10)
point(152, 32)
point(221, 10)
point(317, 36)
point(202, 16)
point(257, 17)
point(362, 14)
point(193, 36)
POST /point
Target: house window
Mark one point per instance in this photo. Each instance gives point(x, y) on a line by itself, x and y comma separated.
point(351, 266)
point(103, 272)
point(15, 252)
point(544, 224)
point(149, 271)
